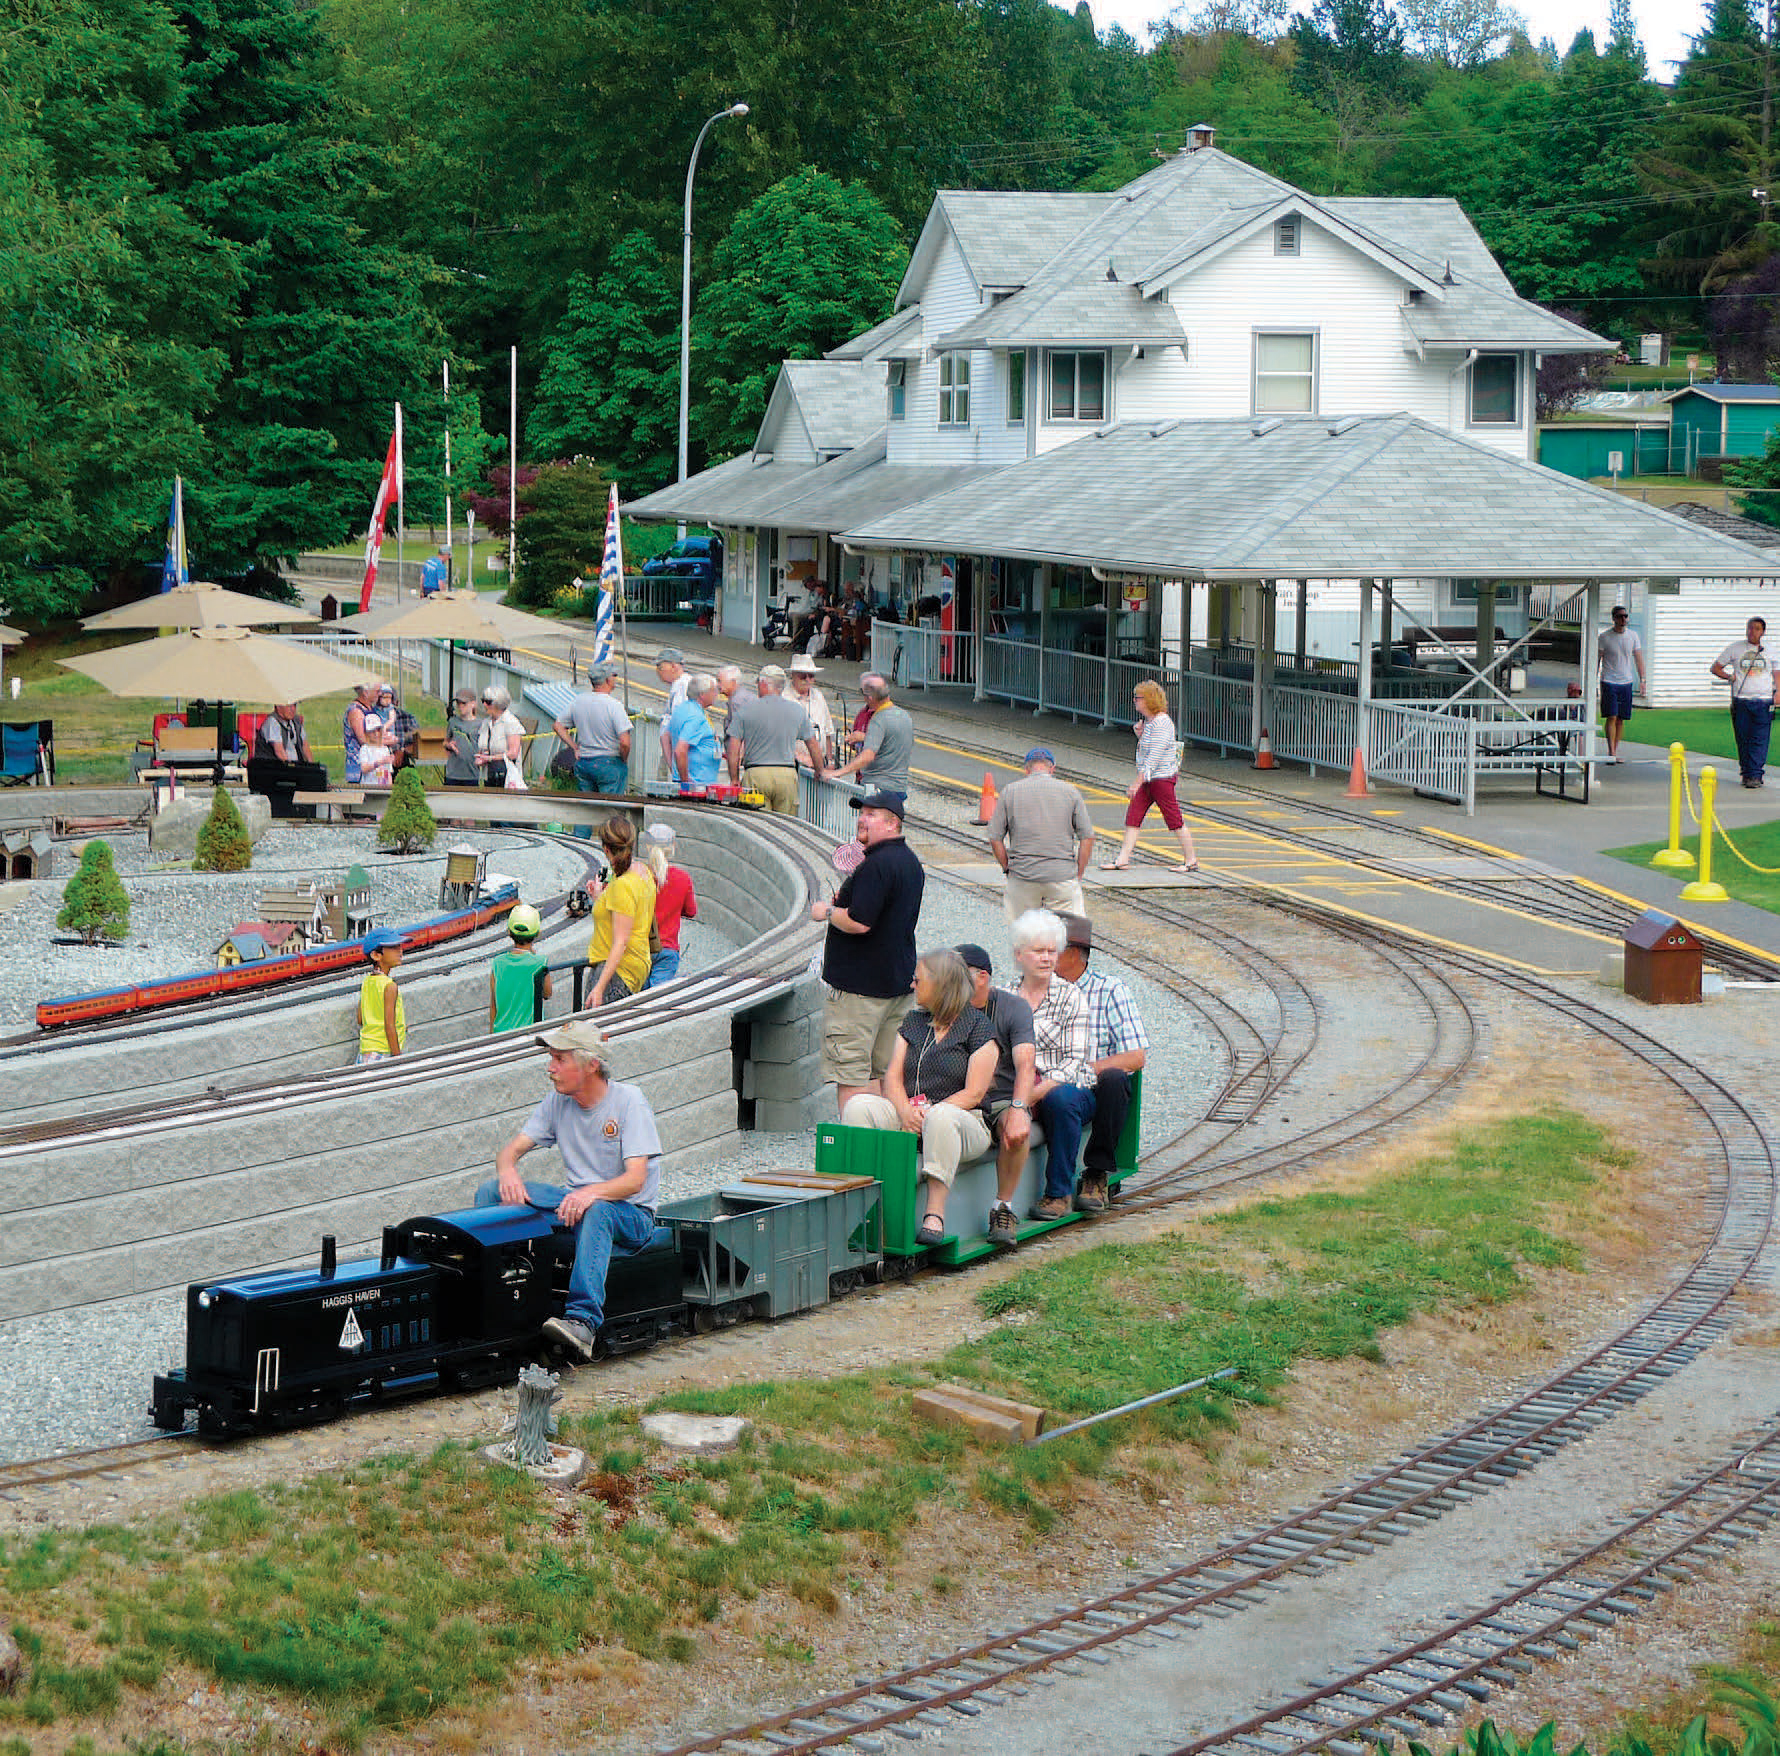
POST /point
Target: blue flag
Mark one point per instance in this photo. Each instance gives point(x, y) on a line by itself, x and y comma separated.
point(175, 570)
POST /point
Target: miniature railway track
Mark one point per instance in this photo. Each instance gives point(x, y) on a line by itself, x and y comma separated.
point(1443, 1674)
point(74, 1466)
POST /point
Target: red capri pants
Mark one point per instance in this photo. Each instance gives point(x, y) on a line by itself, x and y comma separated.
point(1158, 792)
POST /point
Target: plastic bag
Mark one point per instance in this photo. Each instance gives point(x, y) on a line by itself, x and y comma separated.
point(515, 780)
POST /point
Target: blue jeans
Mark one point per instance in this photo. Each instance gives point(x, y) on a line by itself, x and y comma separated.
point(663, 967)
point(599, 774)
point(1752, 722)
point(1063, 1113)
point(606, 1226)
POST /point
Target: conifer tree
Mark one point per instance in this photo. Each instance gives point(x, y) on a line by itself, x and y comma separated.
point(223, 842)
point(95, 903)
point(408, 823)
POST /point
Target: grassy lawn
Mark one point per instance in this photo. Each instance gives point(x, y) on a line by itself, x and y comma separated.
point(1758, 842)
point(411, 1587)
point(1701, 731)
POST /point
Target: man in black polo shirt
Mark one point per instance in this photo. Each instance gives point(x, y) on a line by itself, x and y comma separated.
point(869, 959)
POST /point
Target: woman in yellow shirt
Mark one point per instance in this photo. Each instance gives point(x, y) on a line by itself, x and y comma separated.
point(382, 1019)
point(623, 909)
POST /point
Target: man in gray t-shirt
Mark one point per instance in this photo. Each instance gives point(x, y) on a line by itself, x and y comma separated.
point(599, 728)
point(883, 760)
point(1042, 838)
point(765, 734)
point(611, 1154)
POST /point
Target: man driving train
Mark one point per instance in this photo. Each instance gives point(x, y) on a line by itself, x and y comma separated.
point(611, 1155)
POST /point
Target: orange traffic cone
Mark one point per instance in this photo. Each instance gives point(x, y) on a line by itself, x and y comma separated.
point(1356, 780)
point(1264, 752)
point(986, 804)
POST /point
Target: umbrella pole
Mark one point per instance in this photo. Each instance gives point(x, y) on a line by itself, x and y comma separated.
point(624, 642)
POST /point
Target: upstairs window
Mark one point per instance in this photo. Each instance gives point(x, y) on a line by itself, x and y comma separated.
point(898, 379)
point(1285, 237)
point(1078, 387)
point(1016, 388)
point(954, 390)
point(1495, 381)
point(1285, 373)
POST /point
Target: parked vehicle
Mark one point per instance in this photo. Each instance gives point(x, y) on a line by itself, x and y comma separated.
point(696, 560)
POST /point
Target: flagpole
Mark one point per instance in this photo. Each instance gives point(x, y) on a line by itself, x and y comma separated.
point(512, 467)
point(445, 377)
point(401, 505)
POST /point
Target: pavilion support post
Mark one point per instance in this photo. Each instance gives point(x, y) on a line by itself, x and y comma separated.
point(1261, 707)
point(981, 597)
point(1385, 619)
point(1363, 719)
point(1106, 669)
point(1044, 628)
point(1591, 664)
point(1486, 623)
point(1221, 602)
point(1303, 622)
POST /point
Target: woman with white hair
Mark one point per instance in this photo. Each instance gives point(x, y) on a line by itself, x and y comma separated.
point(674, 902)
point(937, 1082)
point(500, 739)
point(1063, 1098)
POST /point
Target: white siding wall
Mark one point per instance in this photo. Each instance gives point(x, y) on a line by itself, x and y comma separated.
point(788, 439)
point(1684, 632)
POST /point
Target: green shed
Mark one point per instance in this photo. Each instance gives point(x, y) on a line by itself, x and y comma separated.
point(1720, 420)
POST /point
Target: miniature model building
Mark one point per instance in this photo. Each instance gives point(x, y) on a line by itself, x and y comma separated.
point(347, 899)
point(302, 905)
point(250, 941)
point(463, 877)
point(26, 853)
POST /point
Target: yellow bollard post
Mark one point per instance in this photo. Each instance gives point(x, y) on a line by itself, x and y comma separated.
point(1702, 889)
point(1675, 855)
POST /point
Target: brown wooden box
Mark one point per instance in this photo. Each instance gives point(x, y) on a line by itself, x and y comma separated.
point(1663, 961)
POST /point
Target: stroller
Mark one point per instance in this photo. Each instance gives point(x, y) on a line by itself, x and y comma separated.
point(777, 626)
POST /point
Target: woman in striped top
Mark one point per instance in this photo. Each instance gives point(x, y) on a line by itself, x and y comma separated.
point(1157, 765)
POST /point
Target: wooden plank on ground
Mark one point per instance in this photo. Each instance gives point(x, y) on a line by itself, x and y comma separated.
point(1029, 1415)
point(940, 1410)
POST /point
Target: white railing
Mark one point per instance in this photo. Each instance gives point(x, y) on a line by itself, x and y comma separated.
point(1312, 726)
point(1427, 752)
point(1444, 753)
point(1075, 683)
point(825, 804)
point(1215, 711)
point(1011, 670)
point(923, 658)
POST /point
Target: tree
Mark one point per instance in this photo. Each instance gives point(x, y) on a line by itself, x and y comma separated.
point(1460, 33)
point(1743, 325)
point(223, 843)
point(1762, 474)
point(408, 823)
point(94, 901)
point(1565, 379)
point(609, 387)
point(564, 535)
point(809, 264)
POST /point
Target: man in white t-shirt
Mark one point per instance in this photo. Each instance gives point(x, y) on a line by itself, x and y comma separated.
point(1749, 668)
point(1622, 667)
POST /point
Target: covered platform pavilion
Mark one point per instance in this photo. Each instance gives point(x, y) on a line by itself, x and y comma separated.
point(1080, 564)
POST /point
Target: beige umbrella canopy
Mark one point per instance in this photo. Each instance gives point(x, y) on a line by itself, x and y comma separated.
point(456, 615)
point(199, 604)
point(219, 664)
point(9, 636)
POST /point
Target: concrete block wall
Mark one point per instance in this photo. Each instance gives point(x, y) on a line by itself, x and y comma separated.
point(260, 1182)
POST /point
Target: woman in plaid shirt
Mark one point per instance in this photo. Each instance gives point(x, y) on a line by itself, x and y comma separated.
point(1063, 1099)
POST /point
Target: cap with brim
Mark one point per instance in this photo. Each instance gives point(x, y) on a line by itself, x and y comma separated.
point(579, 1034)
point(670, 655)
point(659, 833)
point(804, 665)
point(383, 939)
point(773, 674)
point(1078, 931)
point(599, 673)
point(893, 802)
point(1038, 753)
point(975, 957)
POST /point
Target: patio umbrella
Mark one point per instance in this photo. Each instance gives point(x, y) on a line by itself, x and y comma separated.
point(200, 604)
point(453, 616)
point(219, 664)
point(9, 636)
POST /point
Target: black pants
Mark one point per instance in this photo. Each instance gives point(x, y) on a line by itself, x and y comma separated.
point(1112, 1102)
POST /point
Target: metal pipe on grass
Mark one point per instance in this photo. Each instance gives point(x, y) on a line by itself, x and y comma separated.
point(1127, 1408)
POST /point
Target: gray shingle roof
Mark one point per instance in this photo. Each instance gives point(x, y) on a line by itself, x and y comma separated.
point(841, 401)
point(881, 338)
point(811, 497)
point(1730, 392)
point(1307, 497)
point(1007, 236)
point(1152, 230)
point(1728, 524)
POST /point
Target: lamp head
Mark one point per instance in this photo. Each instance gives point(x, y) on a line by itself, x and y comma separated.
point(736, 110)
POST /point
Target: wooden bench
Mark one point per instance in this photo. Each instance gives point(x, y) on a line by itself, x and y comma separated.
point(894, 1159)
point(328, 802)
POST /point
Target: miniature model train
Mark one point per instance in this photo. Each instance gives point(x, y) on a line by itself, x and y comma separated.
point(267, 972)
point(457, 1300)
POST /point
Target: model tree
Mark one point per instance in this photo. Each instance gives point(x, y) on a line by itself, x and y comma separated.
point(95, 904)
point(408, 824)
point(223, 842)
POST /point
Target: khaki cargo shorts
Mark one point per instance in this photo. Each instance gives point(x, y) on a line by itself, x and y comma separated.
point(859, 1035)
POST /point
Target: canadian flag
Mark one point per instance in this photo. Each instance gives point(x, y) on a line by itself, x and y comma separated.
point(388, 490)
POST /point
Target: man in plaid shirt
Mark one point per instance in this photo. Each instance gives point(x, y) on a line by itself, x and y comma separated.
point(1120, 1045)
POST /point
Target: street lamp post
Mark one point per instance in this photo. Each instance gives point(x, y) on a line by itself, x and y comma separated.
point(736, 111)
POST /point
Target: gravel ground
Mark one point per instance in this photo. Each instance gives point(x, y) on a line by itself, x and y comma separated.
point(78, 1379)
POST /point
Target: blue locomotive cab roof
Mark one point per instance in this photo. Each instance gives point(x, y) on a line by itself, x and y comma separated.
point(488, 1226)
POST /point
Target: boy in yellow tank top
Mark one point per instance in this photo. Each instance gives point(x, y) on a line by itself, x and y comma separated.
point(382, 1019)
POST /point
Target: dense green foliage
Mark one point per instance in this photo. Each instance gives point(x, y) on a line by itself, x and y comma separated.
point(564, 537)
point(234, 232)
point(223, 842)
point(94, 902)
point(408, 824)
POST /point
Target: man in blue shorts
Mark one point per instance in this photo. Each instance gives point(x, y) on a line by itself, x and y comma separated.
point(1622, 667)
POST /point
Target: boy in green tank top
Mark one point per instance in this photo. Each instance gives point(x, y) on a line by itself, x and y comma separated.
point(514, 977)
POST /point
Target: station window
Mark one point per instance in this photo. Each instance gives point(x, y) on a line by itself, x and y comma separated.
point(1078, 387)
point(898, 371)
point(1285, 372)
point(1016, 387)
point(954, 390)
point(1495, 379)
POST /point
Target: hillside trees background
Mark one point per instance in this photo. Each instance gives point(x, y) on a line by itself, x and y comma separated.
point(233, 233)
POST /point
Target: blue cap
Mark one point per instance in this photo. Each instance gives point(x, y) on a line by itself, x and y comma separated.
point(1038, 753)
point(383, 939)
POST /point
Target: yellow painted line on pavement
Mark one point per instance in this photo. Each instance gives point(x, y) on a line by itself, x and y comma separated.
point(1706, 932)
point(1482, 847)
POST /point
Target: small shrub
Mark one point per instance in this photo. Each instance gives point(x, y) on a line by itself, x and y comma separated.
point(408, 823)
point(95, 903)
point(223, 842)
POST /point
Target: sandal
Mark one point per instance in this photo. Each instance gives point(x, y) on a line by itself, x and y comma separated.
point(933, 1230)
point(1186, 866)
point(1115, 865)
